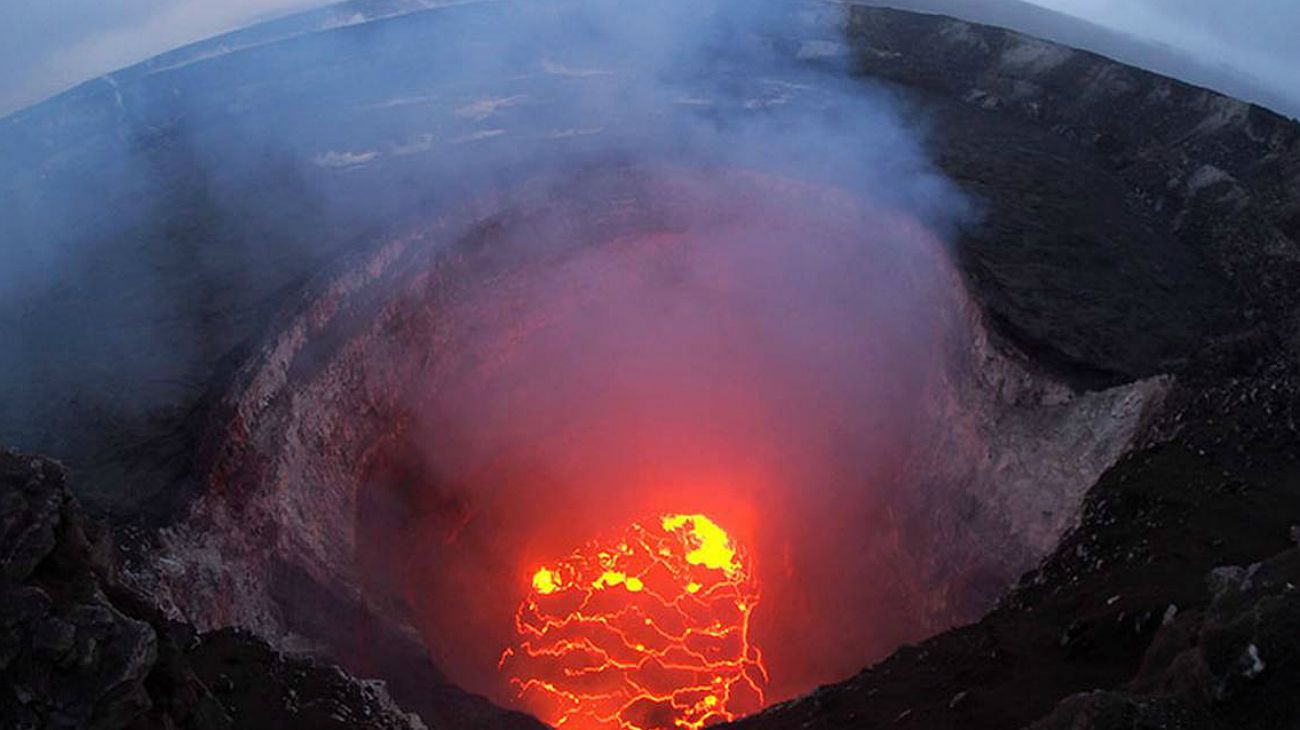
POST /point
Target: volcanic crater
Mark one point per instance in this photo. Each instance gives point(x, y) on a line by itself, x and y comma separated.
point(477, 399)
point(439, 419)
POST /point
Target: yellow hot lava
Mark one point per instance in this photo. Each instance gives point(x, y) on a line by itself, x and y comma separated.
point(712, 545)
point(652, 632)
point(545, 581)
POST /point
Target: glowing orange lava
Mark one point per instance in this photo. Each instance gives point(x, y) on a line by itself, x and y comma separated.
point(650, 631)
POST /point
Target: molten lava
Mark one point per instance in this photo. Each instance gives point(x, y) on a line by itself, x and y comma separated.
point(649, 631)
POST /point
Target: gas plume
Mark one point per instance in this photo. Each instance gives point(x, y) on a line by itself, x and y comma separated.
point(753, 352)
point(756, 353)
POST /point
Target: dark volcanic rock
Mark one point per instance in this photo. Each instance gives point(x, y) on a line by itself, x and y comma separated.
point(1128, 216)
point(251, 680)
point(69, 658)
point(78, 650)
point(1069, 265)
point(1234, 664)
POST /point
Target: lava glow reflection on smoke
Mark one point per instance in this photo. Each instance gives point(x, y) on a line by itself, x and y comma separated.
point(666, 341)
point(650, 630)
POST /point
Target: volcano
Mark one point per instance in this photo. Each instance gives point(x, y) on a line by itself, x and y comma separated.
point(573, 365)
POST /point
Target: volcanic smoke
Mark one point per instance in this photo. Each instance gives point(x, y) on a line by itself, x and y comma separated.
point(739, 352)
point(734, 308)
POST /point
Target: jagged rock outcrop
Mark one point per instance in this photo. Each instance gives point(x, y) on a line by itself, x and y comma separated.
point(77, 650)
point(1231, 657)
point(1233, 664)
point(70, 658)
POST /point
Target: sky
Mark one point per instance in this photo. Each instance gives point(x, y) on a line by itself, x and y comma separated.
point(1254, 37)
point(49, 46)
point(52, 45)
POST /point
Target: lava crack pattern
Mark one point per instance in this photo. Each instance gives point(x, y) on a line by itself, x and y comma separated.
point(648, 631)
